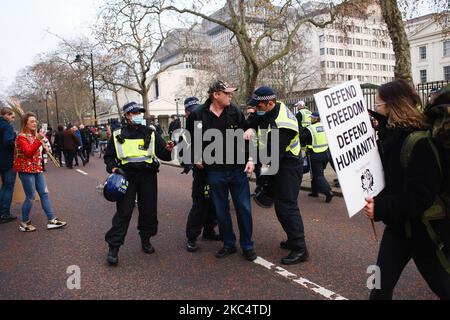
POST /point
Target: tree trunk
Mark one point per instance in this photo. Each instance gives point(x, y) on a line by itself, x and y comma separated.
point(144, 94)
point(251, 77)
point(396, 27)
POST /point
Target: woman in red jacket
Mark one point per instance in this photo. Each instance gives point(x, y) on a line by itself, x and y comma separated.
point(28, 163)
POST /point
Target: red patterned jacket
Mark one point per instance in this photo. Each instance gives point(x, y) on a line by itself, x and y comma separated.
point(27, 155)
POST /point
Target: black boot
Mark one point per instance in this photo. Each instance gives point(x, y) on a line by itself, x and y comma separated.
point(147, 246)
point(113, 256)
point(210, 235)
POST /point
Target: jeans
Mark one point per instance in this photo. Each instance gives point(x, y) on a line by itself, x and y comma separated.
point(6, 192)
point(31, 183)
point(236, 182)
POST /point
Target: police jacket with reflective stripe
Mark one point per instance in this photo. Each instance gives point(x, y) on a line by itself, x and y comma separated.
point(135, 132)
point(263, 122)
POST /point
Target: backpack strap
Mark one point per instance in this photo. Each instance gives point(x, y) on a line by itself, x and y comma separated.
point(410, 143)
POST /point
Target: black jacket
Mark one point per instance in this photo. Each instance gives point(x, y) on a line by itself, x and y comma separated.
point(285, 135)
point(134, 169)
point(407, 195)
point(7, 139)
point(235, 120)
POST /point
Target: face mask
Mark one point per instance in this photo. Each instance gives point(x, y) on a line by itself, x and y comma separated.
point(260, 113)
point(137, 119)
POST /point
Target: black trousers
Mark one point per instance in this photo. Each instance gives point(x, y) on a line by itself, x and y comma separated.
point(395, 253)
point(203, 213)
point(86, 152)
point(145, 186)
point(69, 155)
point(285, 187)
point(58, 155)
point(319, 162)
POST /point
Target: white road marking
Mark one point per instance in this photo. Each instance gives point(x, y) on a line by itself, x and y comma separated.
point(82, 172)
point(299, 280)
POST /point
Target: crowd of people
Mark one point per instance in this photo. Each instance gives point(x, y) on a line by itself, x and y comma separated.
point(132, 150)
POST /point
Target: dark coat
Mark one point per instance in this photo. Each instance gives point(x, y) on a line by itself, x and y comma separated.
point(70, 140)
point(7, 139)
point(406, 196)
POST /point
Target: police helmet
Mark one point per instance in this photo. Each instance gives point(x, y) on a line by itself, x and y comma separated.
point(115, 187)
point(262, 199)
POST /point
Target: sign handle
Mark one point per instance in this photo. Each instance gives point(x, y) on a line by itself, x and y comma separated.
point(374, 231)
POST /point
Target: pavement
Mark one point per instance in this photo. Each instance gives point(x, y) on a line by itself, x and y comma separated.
point(40, 265)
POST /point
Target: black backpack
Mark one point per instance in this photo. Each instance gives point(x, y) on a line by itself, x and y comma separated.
point(438, 112)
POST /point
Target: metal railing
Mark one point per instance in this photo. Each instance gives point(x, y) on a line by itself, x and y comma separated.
point(423, 89)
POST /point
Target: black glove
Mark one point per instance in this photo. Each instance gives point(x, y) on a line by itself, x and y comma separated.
point(187, 168)
point(120, 171)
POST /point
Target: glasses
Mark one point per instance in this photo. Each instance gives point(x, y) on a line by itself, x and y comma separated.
point(380, 104)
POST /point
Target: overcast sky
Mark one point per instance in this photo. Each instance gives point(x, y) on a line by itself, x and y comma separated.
point(23, 25)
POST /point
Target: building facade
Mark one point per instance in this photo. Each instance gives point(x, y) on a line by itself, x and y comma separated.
point(430, 50)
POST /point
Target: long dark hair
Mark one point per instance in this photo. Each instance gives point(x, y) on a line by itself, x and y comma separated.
point(403, 103)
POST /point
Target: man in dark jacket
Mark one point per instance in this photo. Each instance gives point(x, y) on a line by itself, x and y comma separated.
point(86, 139)
point(132, 152)
point(173, 126)
point(224, 177)
point(70, 145)
point(57, 145)
point(7, 173)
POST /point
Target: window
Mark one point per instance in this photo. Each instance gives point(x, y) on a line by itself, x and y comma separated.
point(321, 38)
point(322, 51)
point(331, 51)
point(447, 48)
point(322, 64)
point(189, 82)
point(423, 76)
point(423, 53)
point(447, 73)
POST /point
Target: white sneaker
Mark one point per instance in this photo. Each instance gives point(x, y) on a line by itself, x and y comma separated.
point(55, 224)
point(26, 227)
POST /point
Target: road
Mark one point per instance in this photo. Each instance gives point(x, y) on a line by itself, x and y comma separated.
point(34, 265)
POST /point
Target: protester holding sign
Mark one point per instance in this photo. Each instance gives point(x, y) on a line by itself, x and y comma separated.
point(407, 194)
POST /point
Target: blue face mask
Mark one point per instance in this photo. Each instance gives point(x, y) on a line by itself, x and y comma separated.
point(139, 119)
point(260, 113)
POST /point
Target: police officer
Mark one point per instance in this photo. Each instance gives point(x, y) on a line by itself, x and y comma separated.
point(285, 184)
point(303, 115)
point(316, 143)
point(132, 151)
point(202, 214)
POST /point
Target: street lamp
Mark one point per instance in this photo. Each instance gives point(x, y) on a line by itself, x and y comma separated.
point(56, 102)
point(46, 107)
point(176, 101)
point(78, 60)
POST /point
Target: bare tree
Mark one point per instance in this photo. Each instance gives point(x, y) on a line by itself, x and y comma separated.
point(263, 30)
point(131, 37)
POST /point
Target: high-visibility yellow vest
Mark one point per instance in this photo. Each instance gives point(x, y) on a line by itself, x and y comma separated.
point(306, 117)
point(132, 150)
point(319, 138)
point(285, 120)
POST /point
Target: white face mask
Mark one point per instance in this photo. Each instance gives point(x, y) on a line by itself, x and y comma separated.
point(138, 119)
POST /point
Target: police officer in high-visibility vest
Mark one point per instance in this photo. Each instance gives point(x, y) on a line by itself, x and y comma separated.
point(316, 143)
point(274, 116)
point(132, 152)
point(202, 215)
point(303, 115)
